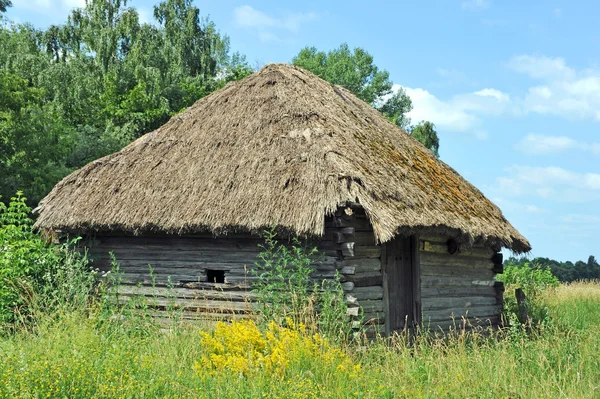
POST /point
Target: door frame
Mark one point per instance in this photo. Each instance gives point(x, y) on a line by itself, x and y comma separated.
point(412, 277)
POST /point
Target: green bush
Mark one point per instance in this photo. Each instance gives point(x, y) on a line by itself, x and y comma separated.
point(533, 280)
point(36, 275)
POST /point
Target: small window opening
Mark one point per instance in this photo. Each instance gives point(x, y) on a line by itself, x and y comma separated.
point(215, 276)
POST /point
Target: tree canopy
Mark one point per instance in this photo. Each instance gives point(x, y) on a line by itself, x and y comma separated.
point(355, 70)
point(4, 4)
point(74, 92)
point(564, 271)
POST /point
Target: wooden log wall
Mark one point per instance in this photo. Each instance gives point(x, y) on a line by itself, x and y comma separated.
point(458, 290)
point(359, 264)
point(173, 271)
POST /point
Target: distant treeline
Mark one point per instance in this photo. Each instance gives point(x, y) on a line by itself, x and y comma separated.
point(565, 271)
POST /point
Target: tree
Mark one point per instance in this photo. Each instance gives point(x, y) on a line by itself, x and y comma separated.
point(355, 70)
point(4, 4)
point(97, 82)
point(424, 132)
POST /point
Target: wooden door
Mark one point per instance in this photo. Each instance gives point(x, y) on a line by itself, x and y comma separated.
point(401, 284)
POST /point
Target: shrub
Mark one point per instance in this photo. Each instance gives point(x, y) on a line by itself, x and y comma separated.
point(533, 280)
point(286, 290)
point(35, 274)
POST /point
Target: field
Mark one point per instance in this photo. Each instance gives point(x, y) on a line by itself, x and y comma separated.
point(72, 356)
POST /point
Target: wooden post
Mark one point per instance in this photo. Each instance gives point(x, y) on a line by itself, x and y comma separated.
point(523, 308)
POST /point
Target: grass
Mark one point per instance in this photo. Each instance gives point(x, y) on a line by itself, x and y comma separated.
point(89, 357)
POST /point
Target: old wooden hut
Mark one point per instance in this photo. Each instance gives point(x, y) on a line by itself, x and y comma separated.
point(412, 239)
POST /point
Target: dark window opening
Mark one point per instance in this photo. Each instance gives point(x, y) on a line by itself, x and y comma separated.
point(215, 276)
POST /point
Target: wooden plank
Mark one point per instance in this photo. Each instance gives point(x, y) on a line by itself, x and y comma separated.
point(368, 293)
point(450, 292)
point(435, 281)
point(480, 311)
point(371, 306)
point(362, 251)
point(486, 253)
point(437, 259)
point(366, 279)
point(462, 324)
point(198, 305)
point(467, 273)
point(187, 293)
point(457, 303)
point(360, 265)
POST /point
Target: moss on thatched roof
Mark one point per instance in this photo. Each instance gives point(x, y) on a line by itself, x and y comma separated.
point(280, 147)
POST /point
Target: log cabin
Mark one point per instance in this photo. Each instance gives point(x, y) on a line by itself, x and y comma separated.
point(412, 240)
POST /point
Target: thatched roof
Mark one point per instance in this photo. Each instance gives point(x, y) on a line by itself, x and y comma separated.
point(280, 147)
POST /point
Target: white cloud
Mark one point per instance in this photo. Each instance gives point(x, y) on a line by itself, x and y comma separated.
point(443, 114)
point(48, 5)
point(513, 206)
point(461, 112)
point(475, 4)
point(564, 91)
point(250, 18)
point(541, 144)
point(553, 183)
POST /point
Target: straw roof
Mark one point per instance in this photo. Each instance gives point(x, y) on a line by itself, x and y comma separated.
point(280, 147)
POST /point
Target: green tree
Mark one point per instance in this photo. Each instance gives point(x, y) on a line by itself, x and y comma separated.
point(425, 133)
point(4, 4)
point(34, 140)
point(355, 70)
point(100, 80)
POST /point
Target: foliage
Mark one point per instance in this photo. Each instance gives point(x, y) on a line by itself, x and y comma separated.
point(36, 276)
point(355, 70)
point(74, 92)
point(73, 358)
point(4, 4)
point(286, 291)
point(564, 271)
point(533, 280)
point(424, 132)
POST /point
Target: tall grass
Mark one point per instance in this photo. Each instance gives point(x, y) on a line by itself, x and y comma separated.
point(85, 356)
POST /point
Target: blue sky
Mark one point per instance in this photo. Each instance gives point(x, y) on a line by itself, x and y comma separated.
point(511, 85)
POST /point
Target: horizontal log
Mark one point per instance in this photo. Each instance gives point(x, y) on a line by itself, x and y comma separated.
point(348, 286)
point(450, 303)
point(476, 312)
point(371, 306)
point(366, 279)
point(368, 293)
point(177, 243)
point(471, 290)
point(348, 270)
point(373, 318)
point(462, 324)
point(187, 293)
point(197, 305)
point(437, 259)
point(362, 251)
point(435, 281)
point(427, 246)
point(467, 273)
point(360, 265)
